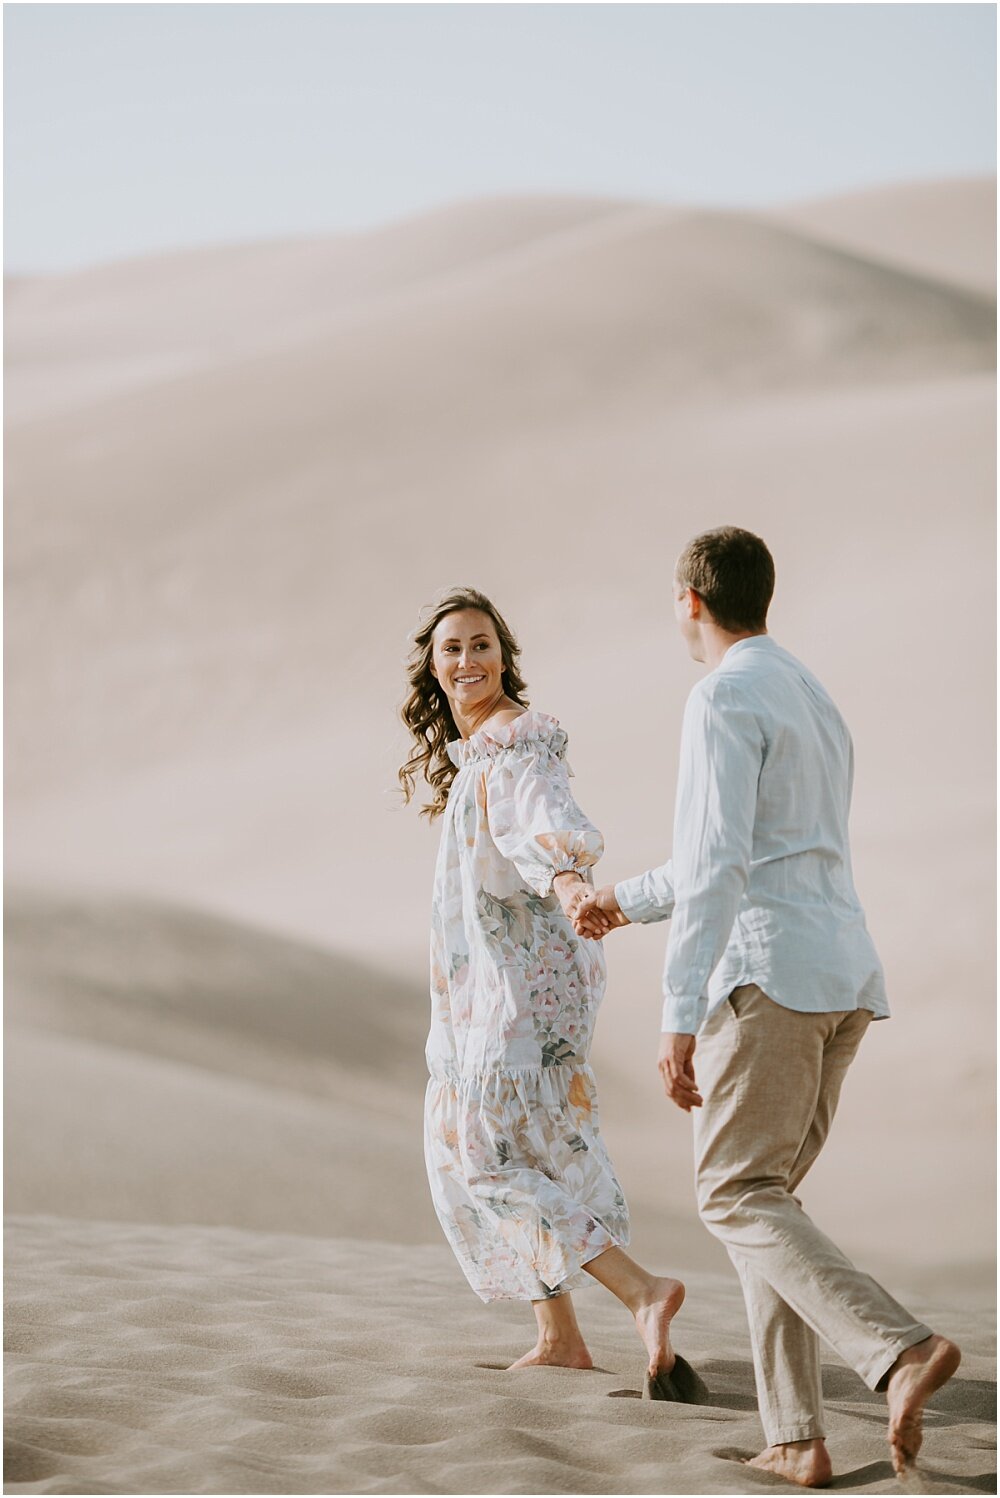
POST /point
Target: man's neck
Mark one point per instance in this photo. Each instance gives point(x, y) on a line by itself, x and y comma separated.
point(718, 641)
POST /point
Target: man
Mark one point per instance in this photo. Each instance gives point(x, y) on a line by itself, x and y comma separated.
point(770, 965)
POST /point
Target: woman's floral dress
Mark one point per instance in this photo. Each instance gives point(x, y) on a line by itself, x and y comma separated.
point(520, 1177)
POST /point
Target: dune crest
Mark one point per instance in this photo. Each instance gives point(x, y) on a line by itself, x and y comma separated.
point(645, 271)
point(84, 336)
point(942, 230)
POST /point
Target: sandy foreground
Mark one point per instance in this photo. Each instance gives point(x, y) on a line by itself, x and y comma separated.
point(155, 1360)
point(232, 478)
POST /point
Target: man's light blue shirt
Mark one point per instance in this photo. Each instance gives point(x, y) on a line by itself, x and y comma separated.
point(760, 888)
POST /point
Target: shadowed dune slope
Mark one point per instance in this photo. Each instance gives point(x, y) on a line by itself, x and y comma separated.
point(189, 1069)
point(945, 230)
point(134, 973)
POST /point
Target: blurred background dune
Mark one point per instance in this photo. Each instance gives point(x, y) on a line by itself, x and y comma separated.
point(234, 476)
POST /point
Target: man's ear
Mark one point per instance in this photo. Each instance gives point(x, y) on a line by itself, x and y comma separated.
point(693, 602)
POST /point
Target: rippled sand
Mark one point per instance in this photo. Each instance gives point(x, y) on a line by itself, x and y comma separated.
point(193, 1360)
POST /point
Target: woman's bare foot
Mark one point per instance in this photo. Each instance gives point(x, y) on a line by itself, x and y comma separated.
point(560, 1354)
point(805, 1462)
point(653, 1317)
point(560, 1341)
point(915, 1375)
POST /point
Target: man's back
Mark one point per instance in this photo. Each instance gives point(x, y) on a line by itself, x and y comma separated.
point(762, 868)
point(800, 841)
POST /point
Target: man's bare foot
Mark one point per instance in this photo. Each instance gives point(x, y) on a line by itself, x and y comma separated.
point(915, 1375)
point(805, 1462)
point(555, 1355)
point(653, 1320)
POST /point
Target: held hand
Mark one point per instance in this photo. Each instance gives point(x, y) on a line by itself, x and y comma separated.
point(676, 1064)
point(574, 896)
point(600, 902)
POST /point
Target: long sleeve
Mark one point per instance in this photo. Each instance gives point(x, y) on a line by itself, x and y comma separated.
point(648, 897)
point(533, 818)
point(722, 752)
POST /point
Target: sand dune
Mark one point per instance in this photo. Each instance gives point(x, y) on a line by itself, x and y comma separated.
point(157, 1360)
point(595, 293)
point(296, 461)
point(211, 583)
point(78, 338)
point(200, 1148)
point(699, 304)
point(185, 986)
point(944, 230)
point(264, 1083)
point(232, 478)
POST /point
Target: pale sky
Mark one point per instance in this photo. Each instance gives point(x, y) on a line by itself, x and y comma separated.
point(135, 128)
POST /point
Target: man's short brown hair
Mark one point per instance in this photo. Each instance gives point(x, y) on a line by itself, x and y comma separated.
point(732, 571)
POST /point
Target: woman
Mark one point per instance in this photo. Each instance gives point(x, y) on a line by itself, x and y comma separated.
point(521, 1180)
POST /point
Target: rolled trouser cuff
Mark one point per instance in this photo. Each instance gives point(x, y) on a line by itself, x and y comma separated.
point(877, 1374)
point(784, 1435)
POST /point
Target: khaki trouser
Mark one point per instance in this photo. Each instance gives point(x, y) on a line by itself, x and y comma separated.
point(770, 1078)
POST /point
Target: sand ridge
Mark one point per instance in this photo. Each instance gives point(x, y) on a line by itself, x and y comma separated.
point(78, 338)
point(956, 242)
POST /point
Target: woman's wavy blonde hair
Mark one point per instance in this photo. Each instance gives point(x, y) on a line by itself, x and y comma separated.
point(427, 712)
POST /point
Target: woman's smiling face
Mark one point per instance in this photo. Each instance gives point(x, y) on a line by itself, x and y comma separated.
point(466, 658)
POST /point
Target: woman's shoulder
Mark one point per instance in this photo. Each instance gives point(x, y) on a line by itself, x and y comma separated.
point(502, 718)
point(508, 730)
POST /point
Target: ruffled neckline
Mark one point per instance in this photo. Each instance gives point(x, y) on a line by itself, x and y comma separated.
point(486, 743)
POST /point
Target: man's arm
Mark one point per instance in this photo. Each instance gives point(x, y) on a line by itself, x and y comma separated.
point(647, 897)
point(676, 1065)
point(722, 751)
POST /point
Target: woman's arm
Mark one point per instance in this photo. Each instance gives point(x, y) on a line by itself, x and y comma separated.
point(536, 824)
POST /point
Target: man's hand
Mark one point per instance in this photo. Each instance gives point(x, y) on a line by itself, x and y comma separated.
point(573, 892)
point(599, 903)
point(676, 1063)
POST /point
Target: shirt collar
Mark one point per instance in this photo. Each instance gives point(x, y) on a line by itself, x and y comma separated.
point(752, 642)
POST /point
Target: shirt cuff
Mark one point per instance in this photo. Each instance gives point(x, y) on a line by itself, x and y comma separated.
point(683, 1014)
point(636, 902)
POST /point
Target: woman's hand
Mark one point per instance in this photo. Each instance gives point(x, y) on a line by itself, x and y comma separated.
point(588, 920)
point(601, 902)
